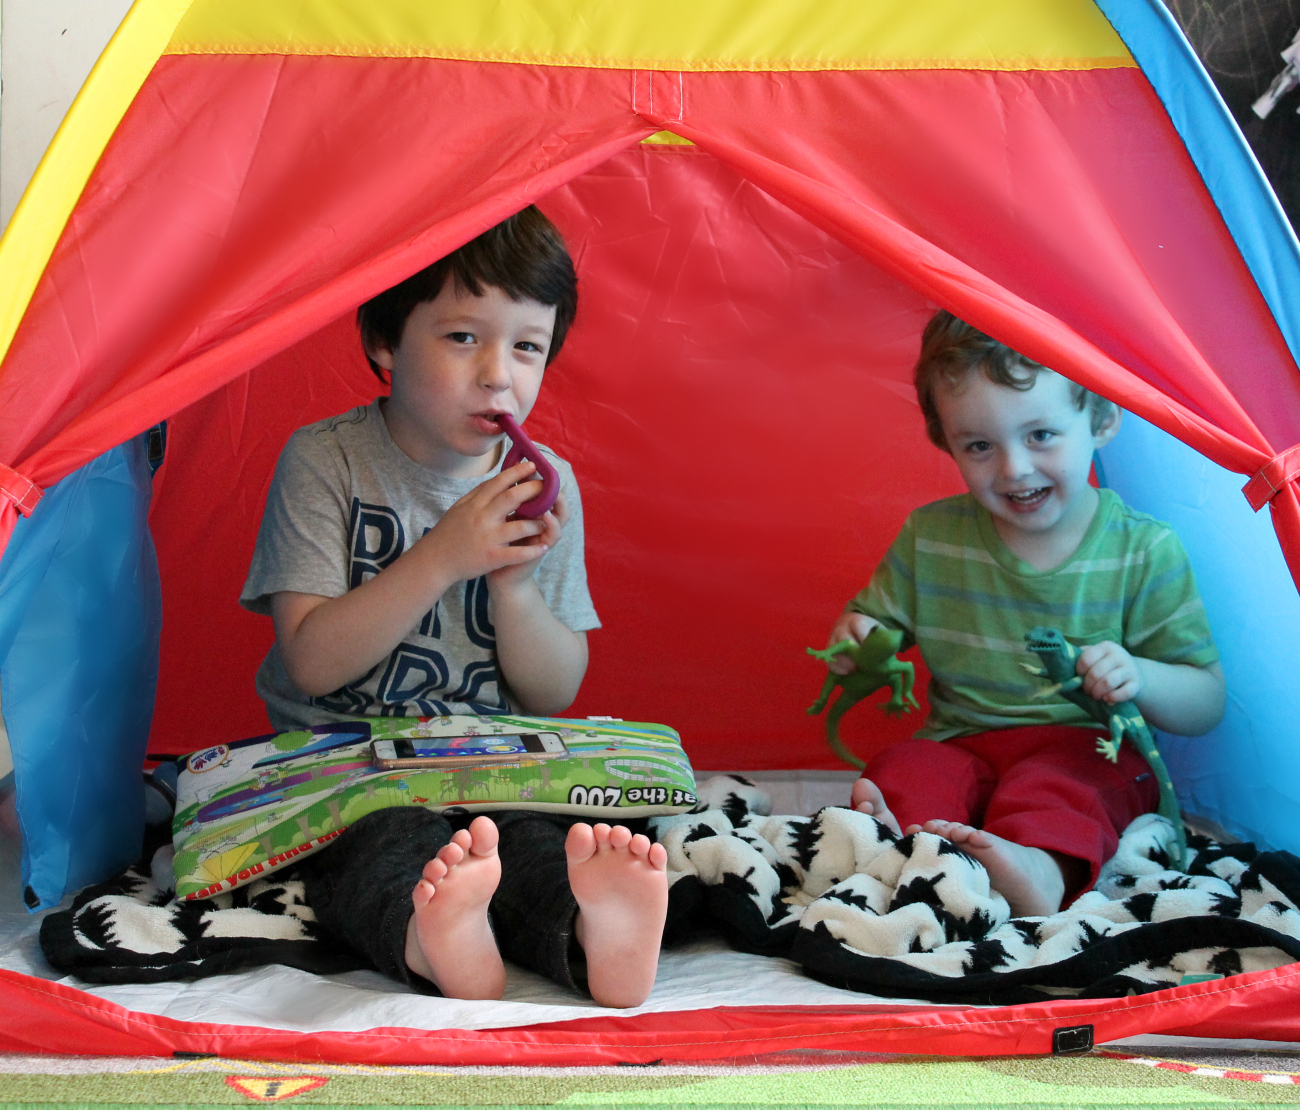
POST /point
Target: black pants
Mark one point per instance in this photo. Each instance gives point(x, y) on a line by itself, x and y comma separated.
point(360, 888)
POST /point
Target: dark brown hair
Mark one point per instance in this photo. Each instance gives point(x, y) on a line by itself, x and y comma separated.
point(952, 348)
point(524, 256)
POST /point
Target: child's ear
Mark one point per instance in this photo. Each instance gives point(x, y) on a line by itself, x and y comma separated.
point(1109, 427)
point(380, 354)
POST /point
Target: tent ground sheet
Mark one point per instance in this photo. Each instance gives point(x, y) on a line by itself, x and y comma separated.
point(1139, 1074)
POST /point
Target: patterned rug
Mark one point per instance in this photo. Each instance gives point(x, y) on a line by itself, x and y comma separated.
point(1181, 1079)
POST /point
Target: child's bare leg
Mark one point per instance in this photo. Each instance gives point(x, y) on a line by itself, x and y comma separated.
point(449, 940)
point(621, 884)
point(867, 798)
point(1032, 880)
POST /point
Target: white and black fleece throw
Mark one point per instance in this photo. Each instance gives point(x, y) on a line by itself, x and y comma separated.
point(130, 930)
point(856, 906)
point(915, 917)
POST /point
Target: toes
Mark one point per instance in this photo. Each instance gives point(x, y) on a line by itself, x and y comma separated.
point(912, 829)
point(435, 870)
point(463, 837)
point(580, 844)
point(585, 841)
point(866, 793)
point(423, 892)
point(483, 836)
point(968, 836)
point(451, 854)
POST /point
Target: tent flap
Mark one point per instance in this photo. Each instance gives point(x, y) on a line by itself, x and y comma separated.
point(80, 612)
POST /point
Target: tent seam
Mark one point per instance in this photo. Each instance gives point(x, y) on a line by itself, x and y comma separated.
point(579, 61)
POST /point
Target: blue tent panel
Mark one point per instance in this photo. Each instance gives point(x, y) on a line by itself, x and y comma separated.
point(1245, 774)
point(1226, 164)
point(80, 615)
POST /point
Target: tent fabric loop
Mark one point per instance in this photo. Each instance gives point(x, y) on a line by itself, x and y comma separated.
point(20, 489)
point(1269, 480)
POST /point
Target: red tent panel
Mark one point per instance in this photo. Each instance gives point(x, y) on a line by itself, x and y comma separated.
point(710, 487)
point(208, 238)
point(735, 395)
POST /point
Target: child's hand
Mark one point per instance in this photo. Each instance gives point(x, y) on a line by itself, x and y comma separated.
point(850, 626)
point(477, 535)
point(553, 524)
point(1110, 673)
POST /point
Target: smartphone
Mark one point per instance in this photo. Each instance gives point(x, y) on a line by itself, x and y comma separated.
point(451, 752)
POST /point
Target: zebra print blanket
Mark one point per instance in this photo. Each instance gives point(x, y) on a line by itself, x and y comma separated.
point(915, 917)
point(837, 892)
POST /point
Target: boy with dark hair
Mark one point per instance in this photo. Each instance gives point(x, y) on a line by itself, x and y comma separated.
point(524, 257)
point(1014, 781)
point(401, 583)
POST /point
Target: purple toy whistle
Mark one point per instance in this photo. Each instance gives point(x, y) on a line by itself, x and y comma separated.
point(521, 447)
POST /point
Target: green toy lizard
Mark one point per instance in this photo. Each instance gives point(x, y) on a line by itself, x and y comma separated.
point(1060, 658)
point(877, 667)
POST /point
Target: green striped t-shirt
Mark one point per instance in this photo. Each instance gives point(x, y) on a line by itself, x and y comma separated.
point(955, 589)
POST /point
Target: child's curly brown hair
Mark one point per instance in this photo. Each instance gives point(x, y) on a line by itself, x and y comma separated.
point(952, 348)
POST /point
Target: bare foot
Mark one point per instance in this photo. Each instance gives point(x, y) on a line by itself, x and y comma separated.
point(448, 939)
point(867, 798)
point(1030, 879)
point(621, 884)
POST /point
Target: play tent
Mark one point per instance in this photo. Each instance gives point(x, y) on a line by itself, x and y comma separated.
point(765, 201)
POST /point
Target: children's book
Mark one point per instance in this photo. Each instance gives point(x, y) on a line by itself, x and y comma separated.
point(249, 808)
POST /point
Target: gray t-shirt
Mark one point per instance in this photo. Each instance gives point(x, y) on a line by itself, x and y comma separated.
point(345, 503)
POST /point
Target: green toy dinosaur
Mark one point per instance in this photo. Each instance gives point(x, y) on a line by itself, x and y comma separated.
point(1059, 658)
point(877, 667)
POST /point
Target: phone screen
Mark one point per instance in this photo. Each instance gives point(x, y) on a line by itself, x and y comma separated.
point(477, 745)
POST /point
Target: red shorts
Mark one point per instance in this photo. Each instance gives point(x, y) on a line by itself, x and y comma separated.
point(1045, 787)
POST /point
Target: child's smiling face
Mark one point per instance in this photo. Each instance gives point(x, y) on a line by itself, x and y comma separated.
point(1025, 456)
point(463, 359)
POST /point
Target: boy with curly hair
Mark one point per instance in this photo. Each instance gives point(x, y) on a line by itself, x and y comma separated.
point(1011, 777)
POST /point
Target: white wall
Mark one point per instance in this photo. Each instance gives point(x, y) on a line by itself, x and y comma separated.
point(47, 48)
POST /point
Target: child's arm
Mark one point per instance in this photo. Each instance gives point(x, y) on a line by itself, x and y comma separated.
point(541, 659)
point(891, 592)
point(328, 642)
point(1173, 697)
